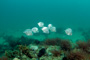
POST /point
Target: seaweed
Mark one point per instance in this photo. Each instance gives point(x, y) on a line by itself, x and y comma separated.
point(9, 54)
point(37, 42)
point(76, 55)
point(55, 41)
point(65, 45)
point(84, 46)
point(11, 40)
point(3, 58)
point(56, 53)
point(25, 50)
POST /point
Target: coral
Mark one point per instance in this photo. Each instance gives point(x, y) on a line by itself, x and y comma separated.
point(65, 45)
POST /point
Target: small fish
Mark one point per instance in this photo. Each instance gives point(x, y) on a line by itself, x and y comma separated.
point(35, 30)
point(41, 24)
point(28, 32)
point(68, 31)
point(51, 28)
point(45, 30)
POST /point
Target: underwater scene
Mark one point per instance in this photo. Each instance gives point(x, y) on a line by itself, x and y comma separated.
point(44, 29)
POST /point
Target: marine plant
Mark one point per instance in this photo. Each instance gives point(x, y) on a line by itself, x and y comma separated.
point(76, 55)
point(55, 41)
point(56, 53)
point(3, 58)
point(9, 54)
point(24, 40)
point(65, 45)
point(37, 42)
point(84, 46)
point(11, 40)
point(25, 50)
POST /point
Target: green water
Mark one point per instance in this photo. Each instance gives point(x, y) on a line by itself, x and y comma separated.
point(18, 15)
point(22, 14)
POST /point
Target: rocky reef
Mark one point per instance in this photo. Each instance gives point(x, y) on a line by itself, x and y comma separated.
point(24, 48)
